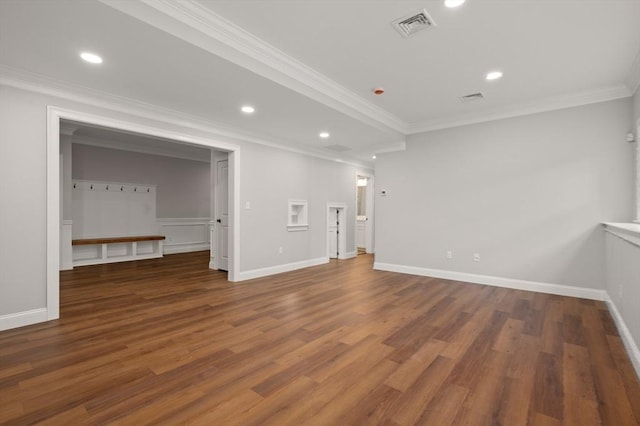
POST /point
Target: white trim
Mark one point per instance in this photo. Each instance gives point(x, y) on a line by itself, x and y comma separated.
point(342, 229)
point(20, 319)
point(200, 26)
point(53, 214)
point(278, 269)
point(170, 247)
point(633, 78)
point(540, 287)
point(124, 146)
point(348, 255)
point(36, 83)
point(395, 147)
point(371, 213)
point(627, 338)
point(54, 115)
point(184, 247)
point(527, 108)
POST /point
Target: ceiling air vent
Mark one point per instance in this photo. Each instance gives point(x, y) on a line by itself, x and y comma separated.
point(472, 97)
point(413, 23)
point(338, 148)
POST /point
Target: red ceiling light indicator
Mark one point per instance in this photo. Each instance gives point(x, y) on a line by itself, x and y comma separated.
point(378, 91)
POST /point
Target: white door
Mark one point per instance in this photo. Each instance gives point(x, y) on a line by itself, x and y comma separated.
point(222, 214)
point(334, 218)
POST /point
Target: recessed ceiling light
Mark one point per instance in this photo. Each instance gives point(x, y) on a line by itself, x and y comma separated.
point(324, 135)
point(453, 3)
point(374, 157)
point(91, 58)
point(494, 75)
point(248, 109)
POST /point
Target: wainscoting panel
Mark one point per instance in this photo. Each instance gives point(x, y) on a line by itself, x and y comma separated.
point(184, 234)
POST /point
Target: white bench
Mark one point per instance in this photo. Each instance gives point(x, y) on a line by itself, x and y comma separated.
point(93, 251)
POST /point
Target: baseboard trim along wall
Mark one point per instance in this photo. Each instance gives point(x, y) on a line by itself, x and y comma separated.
point(185, 248)
point(625, 334)
point(561, 290)
point(20, 319)
point(278, 269)
point(348, 255)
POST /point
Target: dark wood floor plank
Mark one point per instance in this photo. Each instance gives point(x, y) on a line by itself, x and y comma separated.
point(168, 341)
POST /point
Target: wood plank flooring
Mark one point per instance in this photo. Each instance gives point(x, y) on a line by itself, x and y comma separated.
point(167, 341)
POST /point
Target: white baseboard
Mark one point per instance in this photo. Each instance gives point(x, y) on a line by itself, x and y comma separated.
point(559, 289)
point(625, 334)
point(185, 248)
point(278, 269)
point(20, 319)
point(348, 255)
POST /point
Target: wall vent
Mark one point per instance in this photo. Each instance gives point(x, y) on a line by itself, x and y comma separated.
point(472, 97)
point(413, 23)
point(338, 148)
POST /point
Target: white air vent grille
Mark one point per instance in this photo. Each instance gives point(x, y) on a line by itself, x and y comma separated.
point(413, 23)
point(338, 148)
point(472, 97)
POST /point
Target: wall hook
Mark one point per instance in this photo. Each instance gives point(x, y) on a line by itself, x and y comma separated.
point(107, 187)
point(148, 189)
point(122, 188)
point(74, 186)
point(91, 186)
point(135, 189)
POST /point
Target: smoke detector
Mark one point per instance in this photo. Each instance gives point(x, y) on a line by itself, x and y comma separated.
point(411, 24)
point(472, 97)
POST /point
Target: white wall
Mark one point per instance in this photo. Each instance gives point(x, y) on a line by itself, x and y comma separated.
point(269, 177)
point(528, 194)
point(622, 248)
point(23, 194)
point(636, 105)
point(183, 186)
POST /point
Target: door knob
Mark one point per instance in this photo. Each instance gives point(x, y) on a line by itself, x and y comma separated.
point(218, 220)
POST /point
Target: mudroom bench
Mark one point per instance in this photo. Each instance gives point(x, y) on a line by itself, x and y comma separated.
point(93, 251)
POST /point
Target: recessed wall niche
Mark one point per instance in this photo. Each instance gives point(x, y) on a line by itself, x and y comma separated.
point(298, 215)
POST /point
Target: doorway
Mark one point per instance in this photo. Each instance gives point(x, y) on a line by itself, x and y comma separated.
point(54, 117)
point(336, 231)
point(220, 247)
point(364, 213)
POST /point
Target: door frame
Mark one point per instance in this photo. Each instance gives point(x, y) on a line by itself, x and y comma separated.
point(54, 116)
point(369, 236)
point(216, 158)
point(342, 229)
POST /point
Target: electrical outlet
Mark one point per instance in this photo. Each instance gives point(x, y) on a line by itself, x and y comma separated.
point(280, 250)
point(449, 254)
point(476, 257)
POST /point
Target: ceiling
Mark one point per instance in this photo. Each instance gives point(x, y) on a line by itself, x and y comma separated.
point(311, 65)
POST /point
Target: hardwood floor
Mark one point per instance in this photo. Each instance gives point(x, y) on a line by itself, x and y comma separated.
point(166, 341)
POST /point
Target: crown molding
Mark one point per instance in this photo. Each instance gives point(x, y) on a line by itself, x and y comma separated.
point(527, 108)
point(46, 86)
point(124, 146)
point(200, 26)
point(37, 83)
point(398, 146)
point(633, 78)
